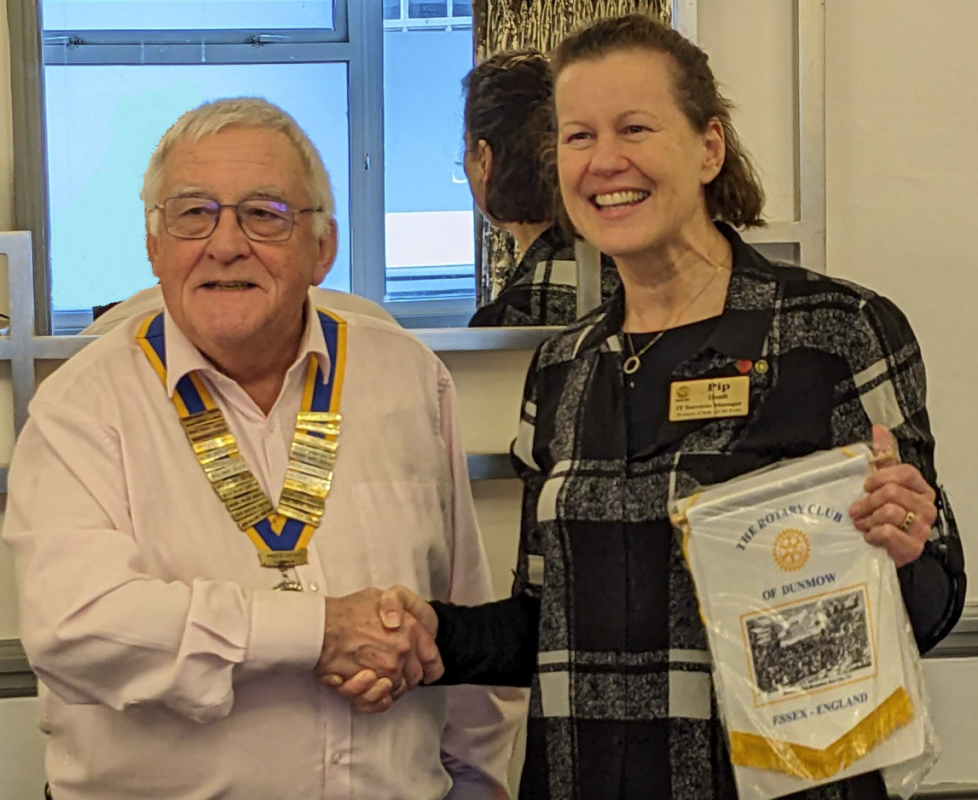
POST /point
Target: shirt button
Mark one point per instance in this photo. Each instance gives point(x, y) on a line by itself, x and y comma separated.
point(339, 757)
point(313, 587)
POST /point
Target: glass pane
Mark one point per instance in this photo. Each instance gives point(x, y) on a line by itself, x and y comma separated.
point(392, 9)
point(115, 15)
point(462, 8)
point(429, 225)
point(426, 9)
point(102, 126)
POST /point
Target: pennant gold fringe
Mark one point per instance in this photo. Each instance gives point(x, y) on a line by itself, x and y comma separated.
point(811, 764)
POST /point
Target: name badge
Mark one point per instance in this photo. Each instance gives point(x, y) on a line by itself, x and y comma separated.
point(713, 398)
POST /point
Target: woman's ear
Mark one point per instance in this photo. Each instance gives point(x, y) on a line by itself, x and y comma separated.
point(485, 159)
point(715, 150)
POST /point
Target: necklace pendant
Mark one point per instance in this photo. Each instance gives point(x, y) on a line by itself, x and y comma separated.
point(632, 364)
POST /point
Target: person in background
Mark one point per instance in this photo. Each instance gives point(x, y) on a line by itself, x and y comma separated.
point(603, 623)
point(193, 539)
point(507, 128)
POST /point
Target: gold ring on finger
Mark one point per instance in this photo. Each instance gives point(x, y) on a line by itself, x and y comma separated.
point(907, 521)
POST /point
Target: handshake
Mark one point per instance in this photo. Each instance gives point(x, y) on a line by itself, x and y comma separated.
point(378, 645)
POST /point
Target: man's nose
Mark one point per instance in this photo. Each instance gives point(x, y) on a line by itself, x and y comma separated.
point(228, 241)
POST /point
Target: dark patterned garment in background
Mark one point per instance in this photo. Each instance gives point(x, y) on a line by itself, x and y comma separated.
point(603, 622)
point(543, 288)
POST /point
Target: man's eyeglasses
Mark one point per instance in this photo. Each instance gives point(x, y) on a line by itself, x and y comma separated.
point(260, 220)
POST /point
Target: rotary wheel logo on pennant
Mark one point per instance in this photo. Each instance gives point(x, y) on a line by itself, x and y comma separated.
point(791, 550)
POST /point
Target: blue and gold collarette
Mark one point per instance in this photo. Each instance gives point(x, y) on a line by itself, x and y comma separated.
point(281, 535)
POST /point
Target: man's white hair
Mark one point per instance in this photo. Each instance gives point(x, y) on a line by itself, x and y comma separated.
point(251, 112)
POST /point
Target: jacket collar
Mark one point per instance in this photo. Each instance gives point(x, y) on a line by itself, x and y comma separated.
point(747, 312)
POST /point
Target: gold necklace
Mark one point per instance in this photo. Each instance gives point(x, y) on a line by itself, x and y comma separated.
point(634, 362)
point(280, 534)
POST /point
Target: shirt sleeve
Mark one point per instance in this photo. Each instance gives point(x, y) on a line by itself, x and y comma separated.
point(96, 627)
point(888, 386)
point(480, 735)
point(491, 645)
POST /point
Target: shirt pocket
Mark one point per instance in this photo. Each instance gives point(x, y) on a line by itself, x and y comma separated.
point(406, 535)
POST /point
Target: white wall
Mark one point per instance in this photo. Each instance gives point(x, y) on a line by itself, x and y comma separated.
point(21, 750)
point(901, 114)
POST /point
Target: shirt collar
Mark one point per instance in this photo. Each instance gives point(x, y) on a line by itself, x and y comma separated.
point(747, 312)
point(546, 243)
point(182, 357)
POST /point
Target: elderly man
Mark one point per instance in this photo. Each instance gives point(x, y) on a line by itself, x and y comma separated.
point(192, 534)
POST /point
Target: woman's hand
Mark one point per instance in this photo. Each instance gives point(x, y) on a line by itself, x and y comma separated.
point(898, 511)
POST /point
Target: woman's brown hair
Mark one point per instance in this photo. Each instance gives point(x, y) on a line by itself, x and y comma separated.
point(735, 195)
point(507, 104)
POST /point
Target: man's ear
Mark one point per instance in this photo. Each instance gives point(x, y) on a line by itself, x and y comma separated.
point(152, 248)
point(328, 244)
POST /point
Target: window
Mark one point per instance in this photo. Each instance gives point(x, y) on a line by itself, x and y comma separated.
point(428, 207)
point(118, 73)
point(120, 113)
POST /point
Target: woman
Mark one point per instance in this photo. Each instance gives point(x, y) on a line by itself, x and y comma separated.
point(507, 124)
point(603, 622)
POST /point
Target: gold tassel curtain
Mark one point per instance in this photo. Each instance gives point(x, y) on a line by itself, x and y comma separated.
point(541, 24)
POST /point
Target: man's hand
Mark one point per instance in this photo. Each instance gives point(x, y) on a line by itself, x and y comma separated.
point(899, 508)
point(371, 690)
point(355, 639)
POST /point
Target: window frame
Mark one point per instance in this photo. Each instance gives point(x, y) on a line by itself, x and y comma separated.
point(356, 39)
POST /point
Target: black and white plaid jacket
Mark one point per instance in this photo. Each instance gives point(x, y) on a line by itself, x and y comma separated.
point(622, 704)
point(543, 288)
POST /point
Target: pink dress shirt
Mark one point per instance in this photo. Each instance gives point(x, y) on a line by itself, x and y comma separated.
point(168, 668)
